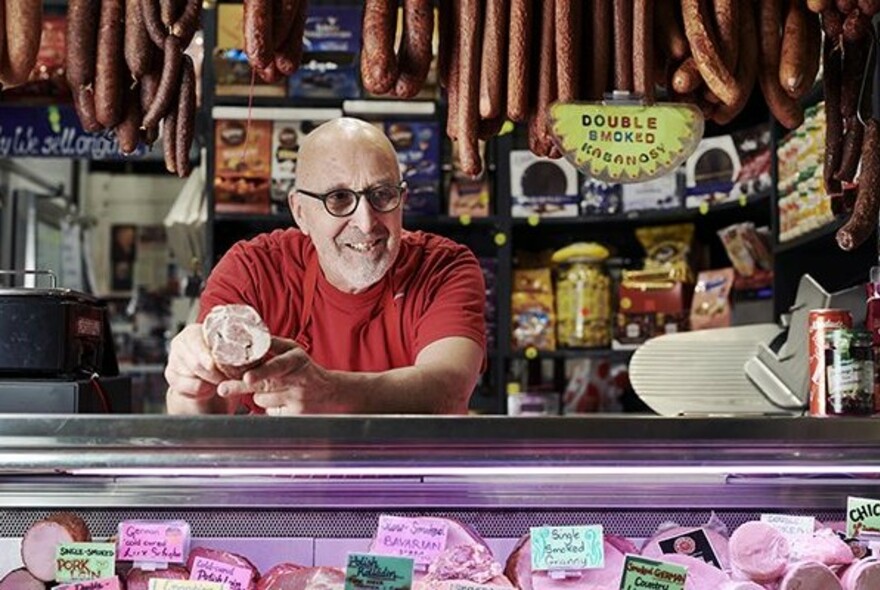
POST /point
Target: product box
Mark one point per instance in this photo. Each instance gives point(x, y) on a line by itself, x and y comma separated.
point(653, 195)
point(331, 62)
point(243, 166)
point(231, 68)
point(646, 313)
point(417, 144)
point(542, 186)
point(600, 198)
point(469, 195)
point(286, 139)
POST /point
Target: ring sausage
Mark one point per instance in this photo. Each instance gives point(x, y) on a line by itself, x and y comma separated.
point(84, 103)
point(727, 22)
point(797, 61)
point(746, 69)
point(139, 49)
point(186, 26)
point(378, 62)
point(786, 110)
point(863, 220)
point(257, 22)
point(168, 84)
point(493, 69)
point(150, 12)
point(669, 31)
point(24, 30)
point(643, 47)
point(169, 11)
point(128, 130)
point(623, 44)
point(705, 51)
point(469, 87)
point(109, 79)
point(186, 118)
point(414, 59)
point(686, 77)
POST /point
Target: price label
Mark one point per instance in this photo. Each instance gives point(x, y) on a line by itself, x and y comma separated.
point(153, 542)
point(102, 584)
point(423, 539)
point(791, 526)
point(211, 570)
point(84, 561)
point(862, 517)
point(640, 573)
point(567, 548)
point(365, 571)
point(185, 585)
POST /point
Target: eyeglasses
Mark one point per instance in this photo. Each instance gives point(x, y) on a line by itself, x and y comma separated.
point(342, 202)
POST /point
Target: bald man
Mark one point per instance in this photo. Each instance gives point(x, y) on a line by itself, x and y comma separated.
point(365, 316)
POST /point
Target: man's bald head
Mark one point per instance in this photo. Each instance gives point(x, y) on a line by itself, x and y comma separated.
point(335, 141)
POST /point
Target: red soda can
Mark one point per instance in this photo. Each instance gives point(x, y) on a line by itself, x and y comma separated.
point(821, 323)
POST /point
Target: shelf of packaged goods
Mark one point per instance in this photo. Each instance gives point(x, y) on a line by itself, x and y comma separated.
point(647, 216)
point(410, 222)
point(820, 233)
point(280, 108)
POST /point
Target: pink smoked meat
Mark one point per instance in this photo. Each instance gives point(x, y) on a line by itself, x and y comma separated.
point(21, 579)
point(759, 551)
point(823, 546)
point(288, 576)
point(224, 557)
point(138, 579)
point(700, 575)
point(810, 575)
point(237, 337)
point(43, 537)
point(862, 575)
point(741, 585)
point(473, 563)
point(519, 570)
point(719, 543)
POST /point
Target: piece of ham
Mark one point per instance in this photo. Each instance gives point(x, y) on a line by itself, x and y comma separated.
point(139, 579)
point(862, 575)
point(289, 576)
point(824, 546)
point(719, 544)
point(467, 563)
point(809, 575)
point(741, 585)
point(700, 575)
point(43, 537)
point(21, 579)
point(237, 338)
point(224, 557)
point(759, 551)
point(519, 569)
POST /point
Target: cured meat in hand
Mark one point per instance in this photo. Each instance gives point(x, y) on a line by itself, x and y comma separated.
point(237, 337)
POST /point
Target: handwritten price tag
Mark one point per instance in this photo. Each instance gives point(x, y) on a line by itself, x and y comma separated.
point(84, 561)
point(640, 573)
point(567, 547)
point(103, 584)
point(862, 517)
point(153, 542)
point(210, 570)
point(423, 539)
point(184, 585)
point(364, 571)
point(791, 526)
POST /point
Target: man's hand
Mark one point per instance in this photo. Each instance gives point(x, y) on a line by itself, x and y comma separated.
point(289, 383)
point(192, 375)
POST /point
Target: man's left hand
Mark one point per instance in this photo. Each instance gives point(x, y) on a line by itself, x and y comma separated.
point(289, 383)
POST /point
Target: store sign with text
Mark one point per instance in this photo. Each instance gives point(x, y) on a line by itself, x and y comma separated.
point(626, 143)
point(53, 132)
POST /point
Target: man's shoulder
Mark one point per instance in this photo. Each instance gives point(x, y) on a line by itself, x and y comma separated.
point(279, 245)
point(428, 257)
point(426, 245)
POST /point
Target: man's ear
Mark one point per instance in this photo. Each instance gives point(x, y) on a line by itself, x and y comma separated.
point(296, 209)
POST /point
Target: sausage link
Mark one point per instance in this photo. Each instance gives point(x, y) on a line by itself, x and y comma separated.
point(186, 118)
point(851, 151)
point(727, 24)
point(82, 42)
point(139, 49)
point(414, 59)
point(284, 12)
point(110, 81)
point(846, 6)
point(150, 12)
point(489, 128)
point(746, 68)
point(794, 66)
point(289, 56)
point(832, 25)
point(567, 49)
point(84, 103)
point(869, 7)
point(452, 89)
point(786, 110)
point(269, 74)
point(518, 70)
point(863, 220)
point(169, 11)
point(469, 87)
point(819, 6)
point(643, 47)
point(602, 53)
point(831, 81)
point(686, 77)
point(257, 22)
point(128, 130)
point(444, 41)
point(540, 141)
point(24, 30)
point(706, 52)
point(623, 44)
point(856, 49)
point(378, 62)
point(169, 139)
point(149, 85)
point(668, 31)
point(169, 83)
point(493, 69)
point(186, 26)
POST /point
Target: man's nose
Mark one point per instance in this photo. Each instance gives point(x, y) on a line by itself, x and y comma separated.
point(364, 217)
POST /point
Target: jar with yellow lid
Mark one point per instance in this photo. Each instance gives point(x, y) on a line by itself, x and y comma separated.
point(583, 296)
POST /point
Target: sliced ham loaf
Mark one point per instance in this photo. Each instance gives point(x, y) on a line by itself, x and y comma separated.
point(288, 576)
point(700, 575)
point(719, 544)
point(824, 546)
point(237, 337)
point(43, 537)
point(21, 579)
point(138, 579)
point(862, 575)
point(224, 557)
point(809, 575)
point(519, 569)
point(759, 552)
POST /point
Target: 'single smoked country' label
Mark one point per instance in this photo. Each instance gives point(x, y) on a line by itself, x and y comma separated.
point(626, 143)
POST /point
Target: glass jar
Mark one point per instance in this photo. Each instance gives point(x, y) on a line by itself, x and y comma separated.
point(583, 297)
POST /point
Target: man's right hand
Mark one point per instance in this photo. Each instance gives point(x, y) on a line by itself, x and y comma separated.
point(192, 375)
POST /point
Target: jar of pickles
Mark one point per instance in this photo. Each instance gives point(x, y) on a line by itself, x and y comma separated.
point(583, 296)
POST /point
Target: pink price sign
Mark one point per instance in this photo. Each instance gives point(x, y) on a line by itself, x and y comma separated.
point(153, 542)
point(211, 570)
point(422, 539)
point(102, 584)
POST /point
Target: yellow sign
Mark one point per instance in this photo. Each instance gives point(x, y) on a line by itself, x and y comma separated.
point(623, 143)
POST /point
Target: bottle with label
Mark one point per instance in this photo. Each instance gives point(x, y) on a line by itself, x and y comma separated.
point(849, 366)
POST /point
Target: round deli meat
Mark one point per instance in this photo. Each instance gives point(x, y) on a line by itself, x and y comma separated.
point(288, 576)
point(224, 557)
point(519, 569)
point(21, 579)
point(718, 541)
point(700, 575)
point(43, 537)
point(138, 579)
point(741, 585)
point(809, 575)
point(237, 337)
point(759, 551)
point(862, 575)
point(824, 546)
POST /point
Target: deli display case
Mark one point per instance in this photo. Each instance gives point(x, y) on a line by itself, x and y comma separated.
point(310, 490)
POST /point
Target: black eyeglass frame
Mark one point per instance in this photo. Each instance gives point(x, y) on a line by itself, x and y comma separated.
point(400, 186)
